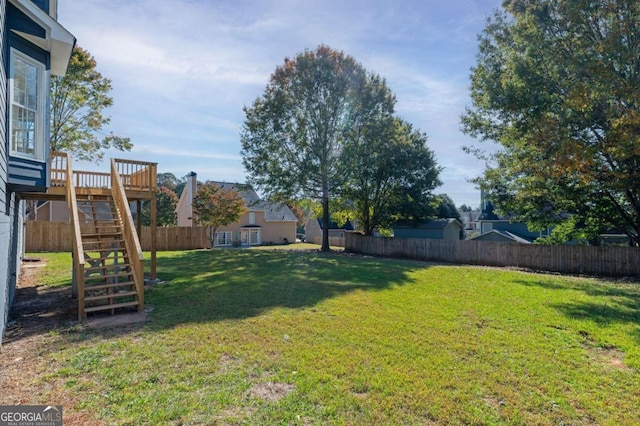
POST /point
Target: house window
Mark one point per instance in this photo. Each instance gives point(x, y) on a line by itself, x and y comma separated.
point(223, 238)
point(254, 238)
point(27, 118)
point(251, 237)
point(252, 218)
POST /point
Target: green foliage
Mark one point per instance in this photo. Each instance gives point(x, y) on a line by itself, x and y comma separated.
point(166, 203)
point(447, 208)
point(324, 129)
point(396, 173)
point(295, 134)
point(215, 207)
point(77, 103)
point(170, 181)
point(557, 86)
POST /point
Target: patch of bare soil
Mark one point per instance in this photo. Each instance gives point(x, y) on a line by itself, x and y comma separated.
point(38, 314)
point(271, 391)
point(610, 357)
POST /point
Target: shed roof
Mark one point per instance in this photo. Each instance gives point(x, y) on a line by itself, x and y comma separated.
point(430, 224)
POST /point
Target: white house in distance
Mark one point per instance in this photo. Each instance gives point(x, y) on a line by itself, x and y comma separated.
point(264, 222)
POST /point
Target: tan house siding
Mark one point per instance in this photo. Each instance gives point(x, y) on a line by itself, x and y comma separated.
point(184, 209)
point(312, 230)
point(53, 211)
point(279, 233)
point(272, 231)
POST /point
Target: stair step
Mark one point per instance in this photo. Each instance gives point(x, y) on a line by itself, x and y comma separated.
point(111, 254)
point(112, 266)
point(101, 234)
point(106, 286)
point(116, 260)
point(102, 238)
point(107, 276)
point(107, 245)
point(110, 296)
point(111, 306)
point(110, 246)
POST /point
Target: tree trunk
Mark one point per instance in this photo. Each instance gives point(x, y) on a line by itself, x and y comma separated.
point(325, 220)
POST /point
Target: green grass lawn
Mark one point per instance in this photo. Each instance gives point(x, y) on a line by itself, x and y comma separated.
point(294, 337)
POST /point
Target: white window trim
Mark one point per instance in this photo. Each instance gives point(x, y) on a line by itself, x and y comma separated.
point(252, 218)
point(41, 144)
point(245, 236)
point(228, 239)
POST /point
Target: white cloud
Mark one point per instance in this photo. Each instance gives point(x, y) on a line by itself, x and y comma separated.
point(181, 152)
point(183, 69)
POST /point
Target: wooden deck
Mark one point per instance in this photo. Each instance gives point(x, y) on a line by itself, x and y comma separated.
point(139, 180)
point(128, 181)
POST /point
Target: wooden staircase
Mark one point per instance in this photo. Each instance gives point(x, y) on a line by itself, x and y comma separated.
point(109, 277)
point(107, 257)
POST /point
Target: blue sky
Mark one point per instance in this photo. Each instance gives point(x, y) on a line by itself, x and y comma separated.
point(182, 70)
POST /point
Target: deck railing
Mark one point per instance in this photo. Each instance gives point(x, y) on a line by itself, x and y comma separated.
point(135, 175)
point(131, 241)
point(59, 161)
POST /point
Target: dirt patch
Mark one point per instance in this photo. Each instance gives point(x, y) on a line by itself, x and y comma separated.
point(37, 317)
point(610, 358)
point(271, 391)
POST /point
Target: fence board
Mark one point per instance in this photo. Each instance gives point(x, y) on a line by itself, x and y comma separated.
point(610, 260)
point(56, 236)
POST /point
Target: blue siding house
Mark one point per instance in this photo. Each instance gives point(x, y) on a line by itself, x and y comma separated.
point(436, 229)
point(34, 46)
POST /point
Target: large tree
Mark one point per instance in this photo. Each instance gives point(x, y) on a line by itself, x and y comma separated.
point(215, 207)
point(78, 101)
point(557, 85)
point(166, 202)
point(295, 134)
point(396, 174)
point(447, 208)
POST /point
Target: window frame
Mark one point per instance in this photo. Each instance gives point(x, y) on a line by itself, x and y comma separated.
point(227, 238)
point(41, 113)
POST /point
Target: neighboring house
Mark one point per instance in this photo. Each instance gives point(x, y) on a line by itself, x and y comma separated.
point(52, 211)
point(501, 228)
point(507, 231)
point(313, 229)
point(437, 229)
point(34, 47)
point(264, 222)
point(469, 220)
point(491, 227)
point(58, 211)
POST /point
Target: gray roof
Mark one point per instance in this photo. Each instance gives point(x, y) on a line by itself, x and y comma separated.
point(273, 211)
point(247, 193)
point(429, 224)
point(504, 234)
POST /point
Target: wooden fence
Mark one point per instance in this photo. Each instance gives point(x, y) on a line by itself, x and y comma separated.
point(610, 260)
point(333, 241)
point(56, 236)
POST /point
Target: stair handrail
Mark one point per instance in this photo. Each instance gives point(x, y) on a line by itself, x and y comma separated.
point(131, 241)
point(78, 250)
